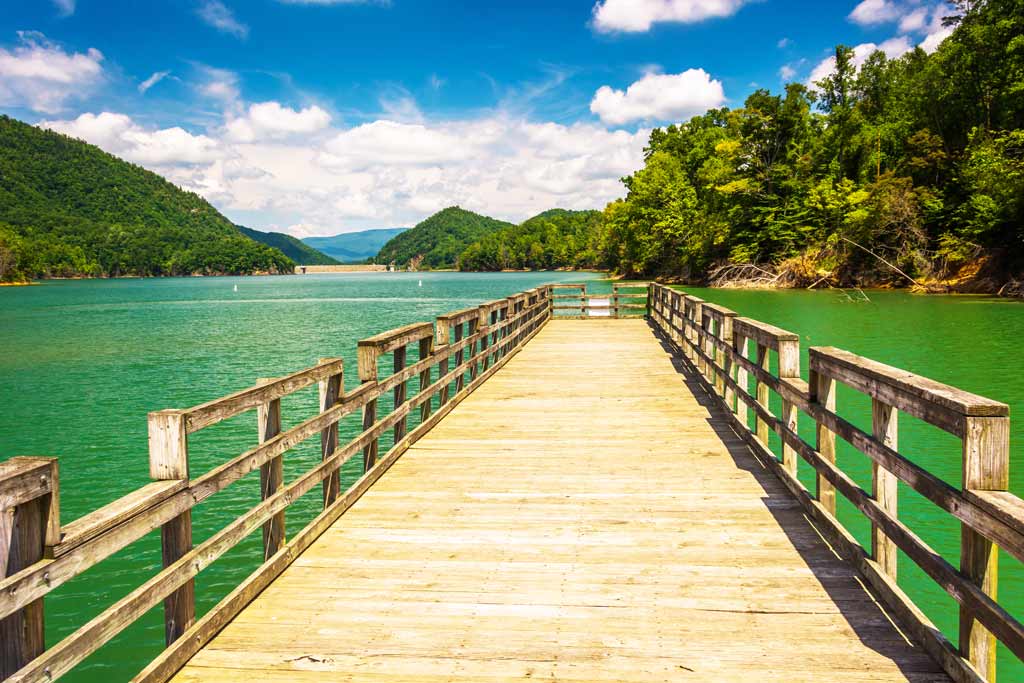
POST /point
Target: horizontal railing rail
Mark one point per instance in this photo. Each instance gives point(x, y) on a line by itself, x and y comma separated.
point(617, 304)
point(728, 351)
point(454, 356)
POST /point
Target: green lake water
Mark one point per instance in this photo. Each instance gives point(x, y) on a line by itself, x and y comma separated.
point(81, 363)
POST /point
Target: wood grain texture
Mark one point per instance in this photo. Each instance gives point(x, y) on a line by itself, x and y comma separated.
point(212, 412)
point(567, 524)
point(268, 425)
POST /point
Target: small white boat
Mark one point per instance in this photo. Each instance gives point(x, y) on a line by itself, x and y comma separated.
point(236, 288)
point(421, 283)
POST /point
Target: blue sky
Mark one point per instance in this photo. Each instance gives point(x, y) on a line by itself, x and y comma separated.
point(325, 116)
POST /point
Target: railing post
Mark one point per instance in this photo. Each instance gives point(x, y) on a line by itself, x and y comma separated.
point(268, 425)
point(822, 389)
point(675, 320)
point(686, 334)
point(513, 328)
point(675, 305)
point(331, 390)
point(583, 300)
point(883, 485)
point(483, 325)
point(711, 351)
point(473, 326)
point(615, 299)
point(763, 362)
point(697, 330)
point(986, 467)
point(443, 339)
point(789, 368)
point(460, 380)
point(739, 346)
point(426, 348)
point(493, 356)
point(725, 335)
point(29, 523)
point(168, 460)
point(367, 367)
point(399, 394)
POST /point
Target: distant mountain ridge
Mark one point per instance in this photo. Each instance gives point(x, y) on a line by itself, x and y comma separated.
point(437, 241)
point(354, 247)
point(67, 208)
point(292, 247)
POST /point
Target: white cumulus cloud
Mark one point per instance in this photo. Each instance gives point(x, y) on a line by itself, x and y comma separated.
point(933, 40)
point(272, 120)
point(935, 30)
point(872, 12)
point(218, 15)
point(390, 142)
point(894, 47)
point(659, 97)
point(120, 135)
point(42, 76)
point(324, 180)
point(914, 20)
point(634, 16)
point(910, 16)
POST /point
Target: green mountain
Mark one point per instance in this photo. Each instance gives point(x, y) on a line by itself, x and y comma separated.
point(437, 241)
point(354, 247)
point(68, 208)
point(557, 238)
point(292, 247)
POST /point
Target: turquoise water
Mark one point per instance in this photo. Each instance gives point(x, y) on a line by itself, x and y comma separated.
point(970, 342)
point(81, 363)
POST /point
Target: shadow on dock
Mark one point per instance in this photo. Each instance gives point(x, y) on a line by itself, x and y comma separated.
point(857, 603)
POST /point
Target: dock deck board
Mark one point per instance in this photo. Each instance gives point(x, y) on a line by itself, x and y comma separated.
point(582, 516)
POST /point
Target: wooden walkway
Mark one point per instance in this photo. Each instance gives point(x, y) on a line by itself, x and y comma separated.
point(582, 516)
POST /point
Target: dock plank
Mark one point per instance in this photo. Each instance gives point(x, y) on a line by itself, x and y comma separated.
point(583, 516)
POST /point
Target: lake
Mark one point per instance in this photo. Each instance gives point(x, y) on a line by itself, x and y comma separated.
point(82, 363)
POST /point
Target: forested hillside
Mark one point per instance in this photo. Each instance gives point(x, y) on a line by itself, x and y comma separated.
point(67, 209)
point(292, 247)
point(554, 239)
point(354, 247)
point(916, 161)
point(437, 241)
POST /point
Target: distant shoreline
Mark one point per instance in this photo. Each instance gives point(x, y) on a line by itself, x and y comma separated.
point(342, 268)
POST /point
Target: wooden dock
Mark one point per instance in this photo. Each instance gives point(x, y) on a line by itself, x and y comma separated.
point(586, 499)
point(567, 524)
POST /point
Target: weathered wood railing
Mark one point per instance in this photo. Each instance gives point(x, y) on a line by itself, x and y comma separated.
point(40, 554)
point(618, 304)
point(727, 351)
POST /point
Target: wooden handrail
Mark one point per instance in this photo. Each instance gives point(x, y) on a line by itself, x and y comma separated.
point(716, 345)
point(168, 502)
point(220, 409)
point(605, 305)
